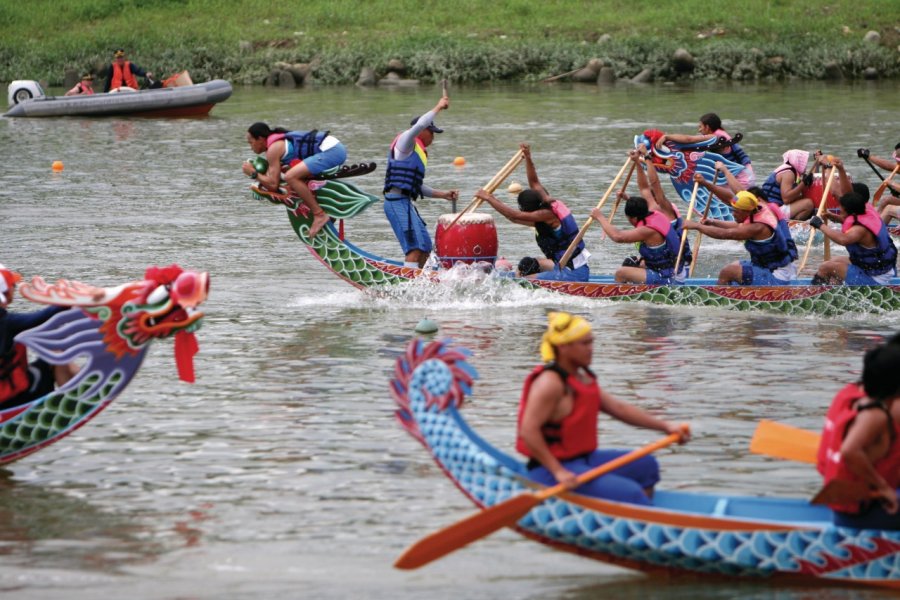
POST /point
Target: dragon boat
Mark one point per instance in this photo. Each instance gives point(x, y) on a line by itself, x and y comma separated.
point(682, 532)
point(107, 331)
point(343, 200)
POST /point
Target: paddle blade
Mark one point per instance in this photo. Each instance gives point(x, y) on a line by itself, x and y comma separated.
point(784, 441)
point(839, 492)
point(461, 533)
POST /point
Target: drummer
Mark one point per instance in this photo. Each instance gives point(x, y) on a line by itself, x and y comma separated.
point(404, 183)
point(557, 424)
point(554, 229)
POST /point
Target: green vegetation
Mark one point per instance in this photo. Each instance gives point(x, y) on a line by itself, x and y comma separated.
point(465, 40)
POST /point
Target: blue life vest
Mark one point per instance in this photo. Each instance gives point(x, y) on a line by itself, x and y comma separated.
point(772, 188)
point(678, 227)
point(774, 252)
point(660, 258)
point(406, 174)
point(301, 145)
point(873, 261)
point(554, 242)
point(737, 155)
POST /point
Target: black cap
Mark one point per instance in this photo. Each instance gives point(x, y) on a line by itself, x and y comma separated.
point(431, 126)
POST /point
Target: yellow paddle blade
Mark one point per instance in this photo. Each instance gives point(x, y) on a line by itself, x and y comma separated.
point(785, 441)
point(461, 533)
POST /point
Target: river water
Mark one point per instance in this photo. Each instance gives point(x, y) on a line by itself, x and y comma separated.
point(281, 473)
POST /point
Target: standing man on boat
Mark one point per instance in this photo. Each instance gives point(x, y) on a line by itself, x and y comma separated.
point(122, 74)
point(772, 256)
point(21, 381)
point(872, 254)
point(554, 229)
point(860, 443)
point(557, 424)
point(404, 183)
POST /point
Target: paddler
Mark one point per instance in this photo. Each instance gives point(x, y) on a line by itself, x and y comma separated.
point(872, 255)
point(861, 441)
point(554, 229)
point(305, 154)
point(404, 183)
point(772, 256)
point(21, 381)
point(558, 411)
point(787, 185)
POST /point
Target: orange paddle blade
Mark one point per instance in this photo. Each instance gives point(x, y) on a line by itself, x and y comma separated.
point(839, 491)
point(461, 533)
point(784, 441)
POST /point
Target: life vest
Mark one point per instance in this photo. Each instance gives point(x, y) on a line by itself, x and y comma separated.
point(554, 242)
point(773, 252)
point(576, 433)
point(406, 174)
point(733, 152)
point(843, 410)
point(772, 188)
point(678, 226)
point(298, 145)
point(83, 90)
point(784, 228)
point(873, 261)
point(122, 75)
point(13, 372)
point(660, 258)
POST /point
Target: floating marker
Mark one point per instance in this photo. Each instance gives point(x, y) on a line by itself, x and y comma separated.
point(459, 161)
point(426, 326)
point(57, 166)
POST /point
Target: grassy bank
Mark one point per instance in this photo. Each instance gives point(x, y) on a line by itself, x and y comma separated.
point(464, 40)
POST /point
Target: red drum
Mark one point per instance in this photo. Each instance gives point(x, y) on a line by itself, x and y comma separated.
point(472, 239)
point(817, 188)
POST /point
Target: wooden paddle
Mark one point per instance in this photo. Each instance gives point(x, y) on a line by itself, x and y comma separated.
point(696, 253)
point(785, 441)
point(587, 224)
point(839, 491)
point(492, 185)
point(622, 191)
point(507, 513)
point(884, 185)
point(685, 231)
point(819, 213)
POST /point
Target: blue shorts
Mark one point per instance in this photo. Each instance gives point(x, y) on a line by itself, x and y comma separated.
point(753, 275)
point(329, 159)
point(582, 273)
point(625, 484)
point(856, 276)
point(408, 226)
point(654, 278)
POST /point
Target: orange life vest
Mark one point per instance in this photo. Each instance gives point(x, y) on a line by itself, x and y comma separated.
point(14, 373)
point(576, 434)
point(122, 75)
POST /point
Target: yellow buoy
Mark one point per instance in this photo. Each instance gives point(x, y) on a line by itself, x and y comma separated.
point(57, 166)
point(459, 161)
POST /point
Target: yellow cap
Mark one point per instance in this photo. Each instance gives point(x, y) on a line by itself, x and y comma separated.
point(745, 201)
point(562, 328)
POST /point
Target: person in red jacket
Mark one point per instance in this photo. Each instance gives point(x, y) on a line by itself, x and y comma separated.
point(861, 441)
point(21, 381)
point(557, 425)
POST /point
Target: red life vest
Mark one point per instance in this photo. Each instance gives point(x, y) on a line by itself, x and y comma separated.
point(576, 433)
point(14, 373)
point(122, 75)
point(843, 410)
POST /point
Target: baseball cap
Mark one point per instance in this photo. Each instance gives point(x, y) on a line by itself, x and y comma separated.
point(431, 126)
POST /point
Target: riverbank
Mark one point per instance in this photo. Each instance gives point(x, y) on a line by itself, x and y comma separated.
point(467, 41)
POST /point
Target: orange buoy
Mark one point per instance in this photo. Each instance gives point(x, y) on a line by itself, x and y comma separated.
point(459, 161)
point(57, 166)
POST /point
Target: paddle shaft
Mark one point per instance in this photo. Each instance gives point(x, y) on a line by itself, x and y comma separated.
point(884, 185)
point(506, 513)
point(685, 232)
point(709, 201)
point(587, 224)
point(492, 185)
point(622, 191)
point(819, 213)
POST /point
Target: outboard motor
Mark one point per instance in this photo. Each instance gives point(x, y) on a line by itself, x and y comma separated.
point(24, 89)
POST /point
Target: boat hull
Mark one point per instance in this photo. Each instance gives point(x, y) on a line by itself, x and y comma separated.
point(182, 101)
point(731, 536)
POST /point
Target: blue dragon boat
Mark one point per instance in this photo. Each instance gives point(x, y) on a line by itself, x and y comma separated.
point(683, 532)
point(108, 332)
